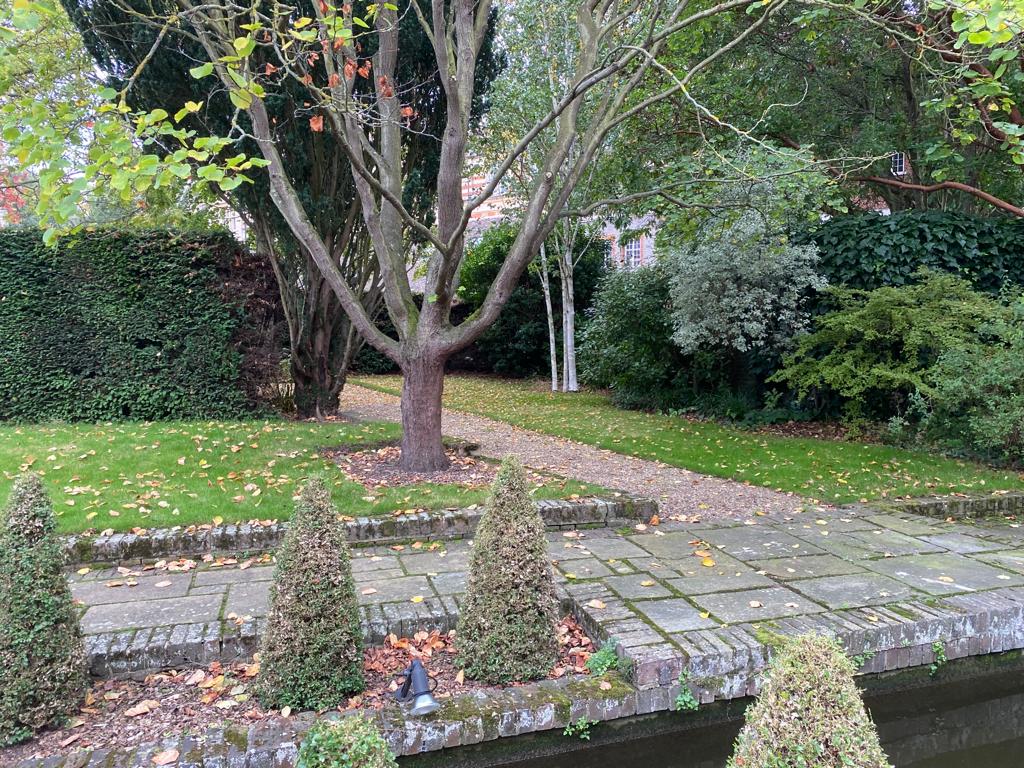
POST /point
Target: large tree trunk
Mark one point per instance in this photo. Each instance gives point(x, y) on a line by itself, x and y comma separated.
point(545, 284)
point(422, 387)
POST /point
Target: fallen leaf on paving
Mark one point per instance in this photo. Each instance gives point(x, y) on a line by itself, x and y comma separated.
point(755, 604)
point(368, 591)
point(83, 571)
point(946, 579)
point(706, 615)
point(166, 757)
point(707, 562)
point(162, 584)
point(701, 553)
point(640, 527)
point(418, 599)
point(647, 583)
point(597, 604)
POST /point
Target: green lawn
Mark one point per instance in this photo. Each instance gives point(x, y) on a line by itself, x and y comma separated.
point(830, 471)
point(124, 476)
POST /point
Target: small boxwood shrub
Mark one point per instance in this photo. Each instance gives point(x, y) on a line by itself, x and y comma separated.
point(809, 713)
point(42, 660)
point(352, 742)
point(507, 624)
point(311, 656)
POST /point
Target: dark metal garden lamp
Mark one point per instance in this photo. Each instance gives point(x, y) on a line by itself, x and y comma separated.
point(417, 689)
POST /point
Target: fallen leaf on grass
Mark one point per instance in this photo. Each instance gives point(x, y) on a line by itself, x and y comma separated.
point(604, 685)
point(286, 711)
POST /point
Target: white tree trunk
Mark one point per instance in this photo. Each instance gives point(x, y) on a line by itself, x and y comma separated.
point(565, 268)
point(545, 284)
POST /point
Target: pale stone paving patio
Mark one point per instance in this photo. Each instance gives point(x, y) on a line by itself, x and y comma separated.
point(648, 590)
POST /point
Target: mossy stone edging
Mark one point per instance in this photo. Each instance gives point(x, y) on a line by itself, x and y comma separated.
point(960, 507)
point(255, 537)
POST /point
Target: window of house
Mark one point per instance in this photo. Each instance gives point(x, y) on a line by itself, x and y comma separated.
point(633, 253)
point(898, 164)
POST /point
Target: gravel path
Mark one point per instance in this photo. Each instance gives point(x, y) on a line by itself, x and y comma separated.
point(678, 491)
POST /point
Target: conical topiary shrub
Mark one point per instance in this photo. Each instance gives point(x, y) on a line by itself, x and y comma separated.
point(809, 713)
point(312, 651)
point(352, 742)
point(508, 616)
point(43, 673)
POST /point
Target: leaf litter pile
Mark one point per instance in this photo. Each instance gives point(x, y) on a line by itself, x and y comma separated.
point(377, 468)
point(120, 714)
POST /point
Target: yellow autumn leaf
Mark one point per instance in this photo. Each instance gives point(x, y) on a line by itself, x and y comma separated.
point(707, 562)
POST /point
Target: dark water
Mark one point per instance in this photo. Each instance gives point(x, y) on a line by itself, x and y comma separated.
point(978, 723)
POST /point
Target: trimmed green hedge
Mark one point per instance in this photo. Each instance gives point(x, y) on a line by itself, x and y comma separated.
point(869, 251)
point(118, 325)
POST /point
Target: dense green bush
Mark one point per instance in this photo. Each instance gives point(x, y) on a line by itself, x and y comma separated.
point(870, 251)
point(976, 406)
point(517, 344)
point(351, 742)
point(311, 656)
point(43, 673)
point(741, 283)
point(627, 344)
point(115, 325)
point(809, 713)
point(507, 622)
point(878, 347)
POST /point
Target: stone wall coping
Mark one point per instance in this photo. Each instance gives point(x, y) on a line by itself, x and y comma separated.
point(959, 506)
point(558, 514)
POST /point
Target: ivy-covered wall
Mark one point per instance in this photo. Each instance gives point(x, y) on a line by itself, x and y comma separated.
point(868, 250)
point(120, 325)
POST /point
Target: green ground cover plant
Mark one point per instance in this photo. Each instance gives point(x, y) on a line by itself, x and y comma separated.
point(123, 476)
point(352, 742)
point(829, 470)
